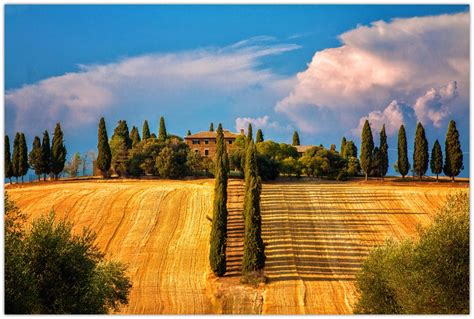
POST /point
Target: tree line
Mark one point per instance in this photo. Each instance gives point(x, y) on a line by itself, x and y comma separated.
point(44, 158)
point(253, 259)
point(374, 160)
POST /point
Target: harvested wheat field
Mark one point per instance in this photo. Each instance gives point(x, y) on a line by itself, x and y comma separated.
point(317, 235)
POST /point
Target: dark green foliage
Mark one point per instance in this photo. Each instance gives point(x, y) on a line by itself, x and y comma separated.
point(162, 134)
point(420, 153)
point(249, 133)
point(35, 156)
point(403, 166)
point(268, 168)
point(23, 157)
point(8, 160)
point(120, 145)
point(350, 150)
point(259, 136)
point(319, 162)
point(436, 161)
point(189, 133)
point(135, 136)
point(45, 155)
point(342, 151)
point(453, 154)
point(142, 158)
point(376, 162)
point(218, 239)
point(366, 149)
point(50, 270)
point(384, 152)
point(427, 276)
point(211, 127)
point(296, 139)
point(171, 161)
point(254, 249)
point(104, 157)
point(332, 148)
point(145, 130)
point(58, 152)
point(16, 156)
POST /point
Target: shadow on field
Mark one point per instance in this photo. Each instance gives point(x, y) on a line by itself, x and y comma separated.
point(318, 233)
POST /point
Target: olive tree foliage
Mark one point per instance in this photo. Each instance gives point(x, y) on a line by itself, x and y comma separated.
point(425, 276)
point(52, 270)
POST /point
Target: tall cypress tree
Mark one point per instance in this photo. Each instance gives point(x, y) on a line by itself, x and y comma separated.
point(436, 161)
point(259, 136)
point(420, 152)
point(402, 163)
point(16, 156)
point(120, 144)
point(454, 159)
point(8, 160)
point(135, 136)
point(218, 238)
point(342, 151)
point(23, 163)
point(296, 139)
point(45, 162)
point(384, 153)
point(249, 133)
point(104, 156)
point(211, 127)
point(366, 149)
point(162, 135)
point(145, 130)
point(58, 152)
point(35, 157)
point(189, 133)
point(350, 150)
point(254, 249)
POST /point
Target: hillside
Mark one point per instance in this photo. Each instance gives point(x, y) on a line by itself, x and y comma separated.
point(317, 235)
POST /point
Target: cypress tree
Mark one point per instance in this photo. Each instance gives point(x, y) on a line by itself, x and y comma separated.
point(376, 162)
point(384, 153)
point(104, 156)
point(254, 250)
point(8, 160)
point(436, 161)
point(420, 152)
point(211, 127)
point(23, 160)
point(249, 133)
point(135, 136)
point(58, 152)
point(16, 157)
point(218, 238)
point(350, 149)
point(259, 136)
point(162, 135)
point(454, 159)
point(145, 130)
point(402, 163)
point(189, 133)
point(247, 141)
point(296, 139)
point(120, 144)
point(35, 157)
point(342, 151)
point(366, 149)
point(45, 162)
point(332, 147)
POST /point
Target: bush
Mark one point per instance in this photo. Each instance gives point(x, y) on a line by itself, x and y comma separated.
point(50, 270)
point(427, 276)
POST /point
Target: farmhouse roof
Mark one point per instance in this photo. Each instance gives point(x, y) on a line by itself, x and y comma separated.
point(209, 134)
point(303, 148)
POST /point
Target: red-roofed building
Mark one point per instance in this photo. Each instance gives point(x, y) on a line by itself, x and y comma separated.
point(204, 142)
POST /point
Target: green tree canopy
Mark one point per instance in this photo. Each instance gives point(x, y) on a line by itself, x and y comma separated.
point(342, 151)
point(259, 136)
point(135, 136)
point(16, 156)
point(45, 155)
point(211, 127)
point(453, 154)
point(35, 156)
point(23, 157)
point(146, 130)
point(384, 152)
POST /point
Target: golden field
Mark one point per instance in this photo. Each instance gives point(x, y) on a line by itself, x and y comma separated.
point(316, 233)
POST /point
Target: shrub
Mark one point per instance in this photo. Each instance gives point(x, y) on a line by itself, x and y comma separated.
point(427, 276)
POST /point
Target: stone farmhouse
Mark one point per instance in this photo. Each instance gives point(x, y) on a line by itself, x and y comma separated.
point(204, 142)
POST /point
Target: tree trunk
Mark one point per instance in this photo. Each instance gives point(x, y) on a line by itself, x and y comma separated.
point(16, 177)
point(421, 176)
point(10, 180)
point(437, 180)
point(366, 177)
point(22, 181)
point(452, 178)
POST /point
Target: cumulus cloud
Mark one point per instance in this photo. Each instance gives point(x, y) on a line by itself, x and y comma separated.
point(379, 63)
point(258, 122)
point(434, 105)
point(79, 98)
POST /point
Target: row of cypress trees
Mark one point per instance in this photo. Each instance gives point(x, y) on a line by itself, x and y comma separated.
point(371, 157)
point(126, 141)
point(44, 158)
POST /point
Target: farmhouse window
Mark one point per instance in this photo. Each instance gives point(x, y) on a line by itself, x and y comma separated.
point(206, 152)
point(195, 141)
point(206, 141)
point(230, 141)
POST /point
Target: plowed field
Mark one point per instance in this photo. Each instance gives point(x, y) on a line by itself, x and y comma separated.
point(317, 235)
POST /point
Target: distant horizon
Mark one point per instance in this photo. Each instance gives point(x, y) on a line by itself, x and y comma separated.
point(318, 69)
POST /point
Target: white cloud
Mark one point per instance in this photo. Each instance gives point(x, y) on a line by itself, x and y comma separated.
point(434, 105)
point(257, 123)
point(163, 80)
point(396, 60)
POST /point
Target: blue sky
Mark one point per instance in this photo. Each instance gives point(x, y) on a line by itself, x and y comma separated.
point(235, 64)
